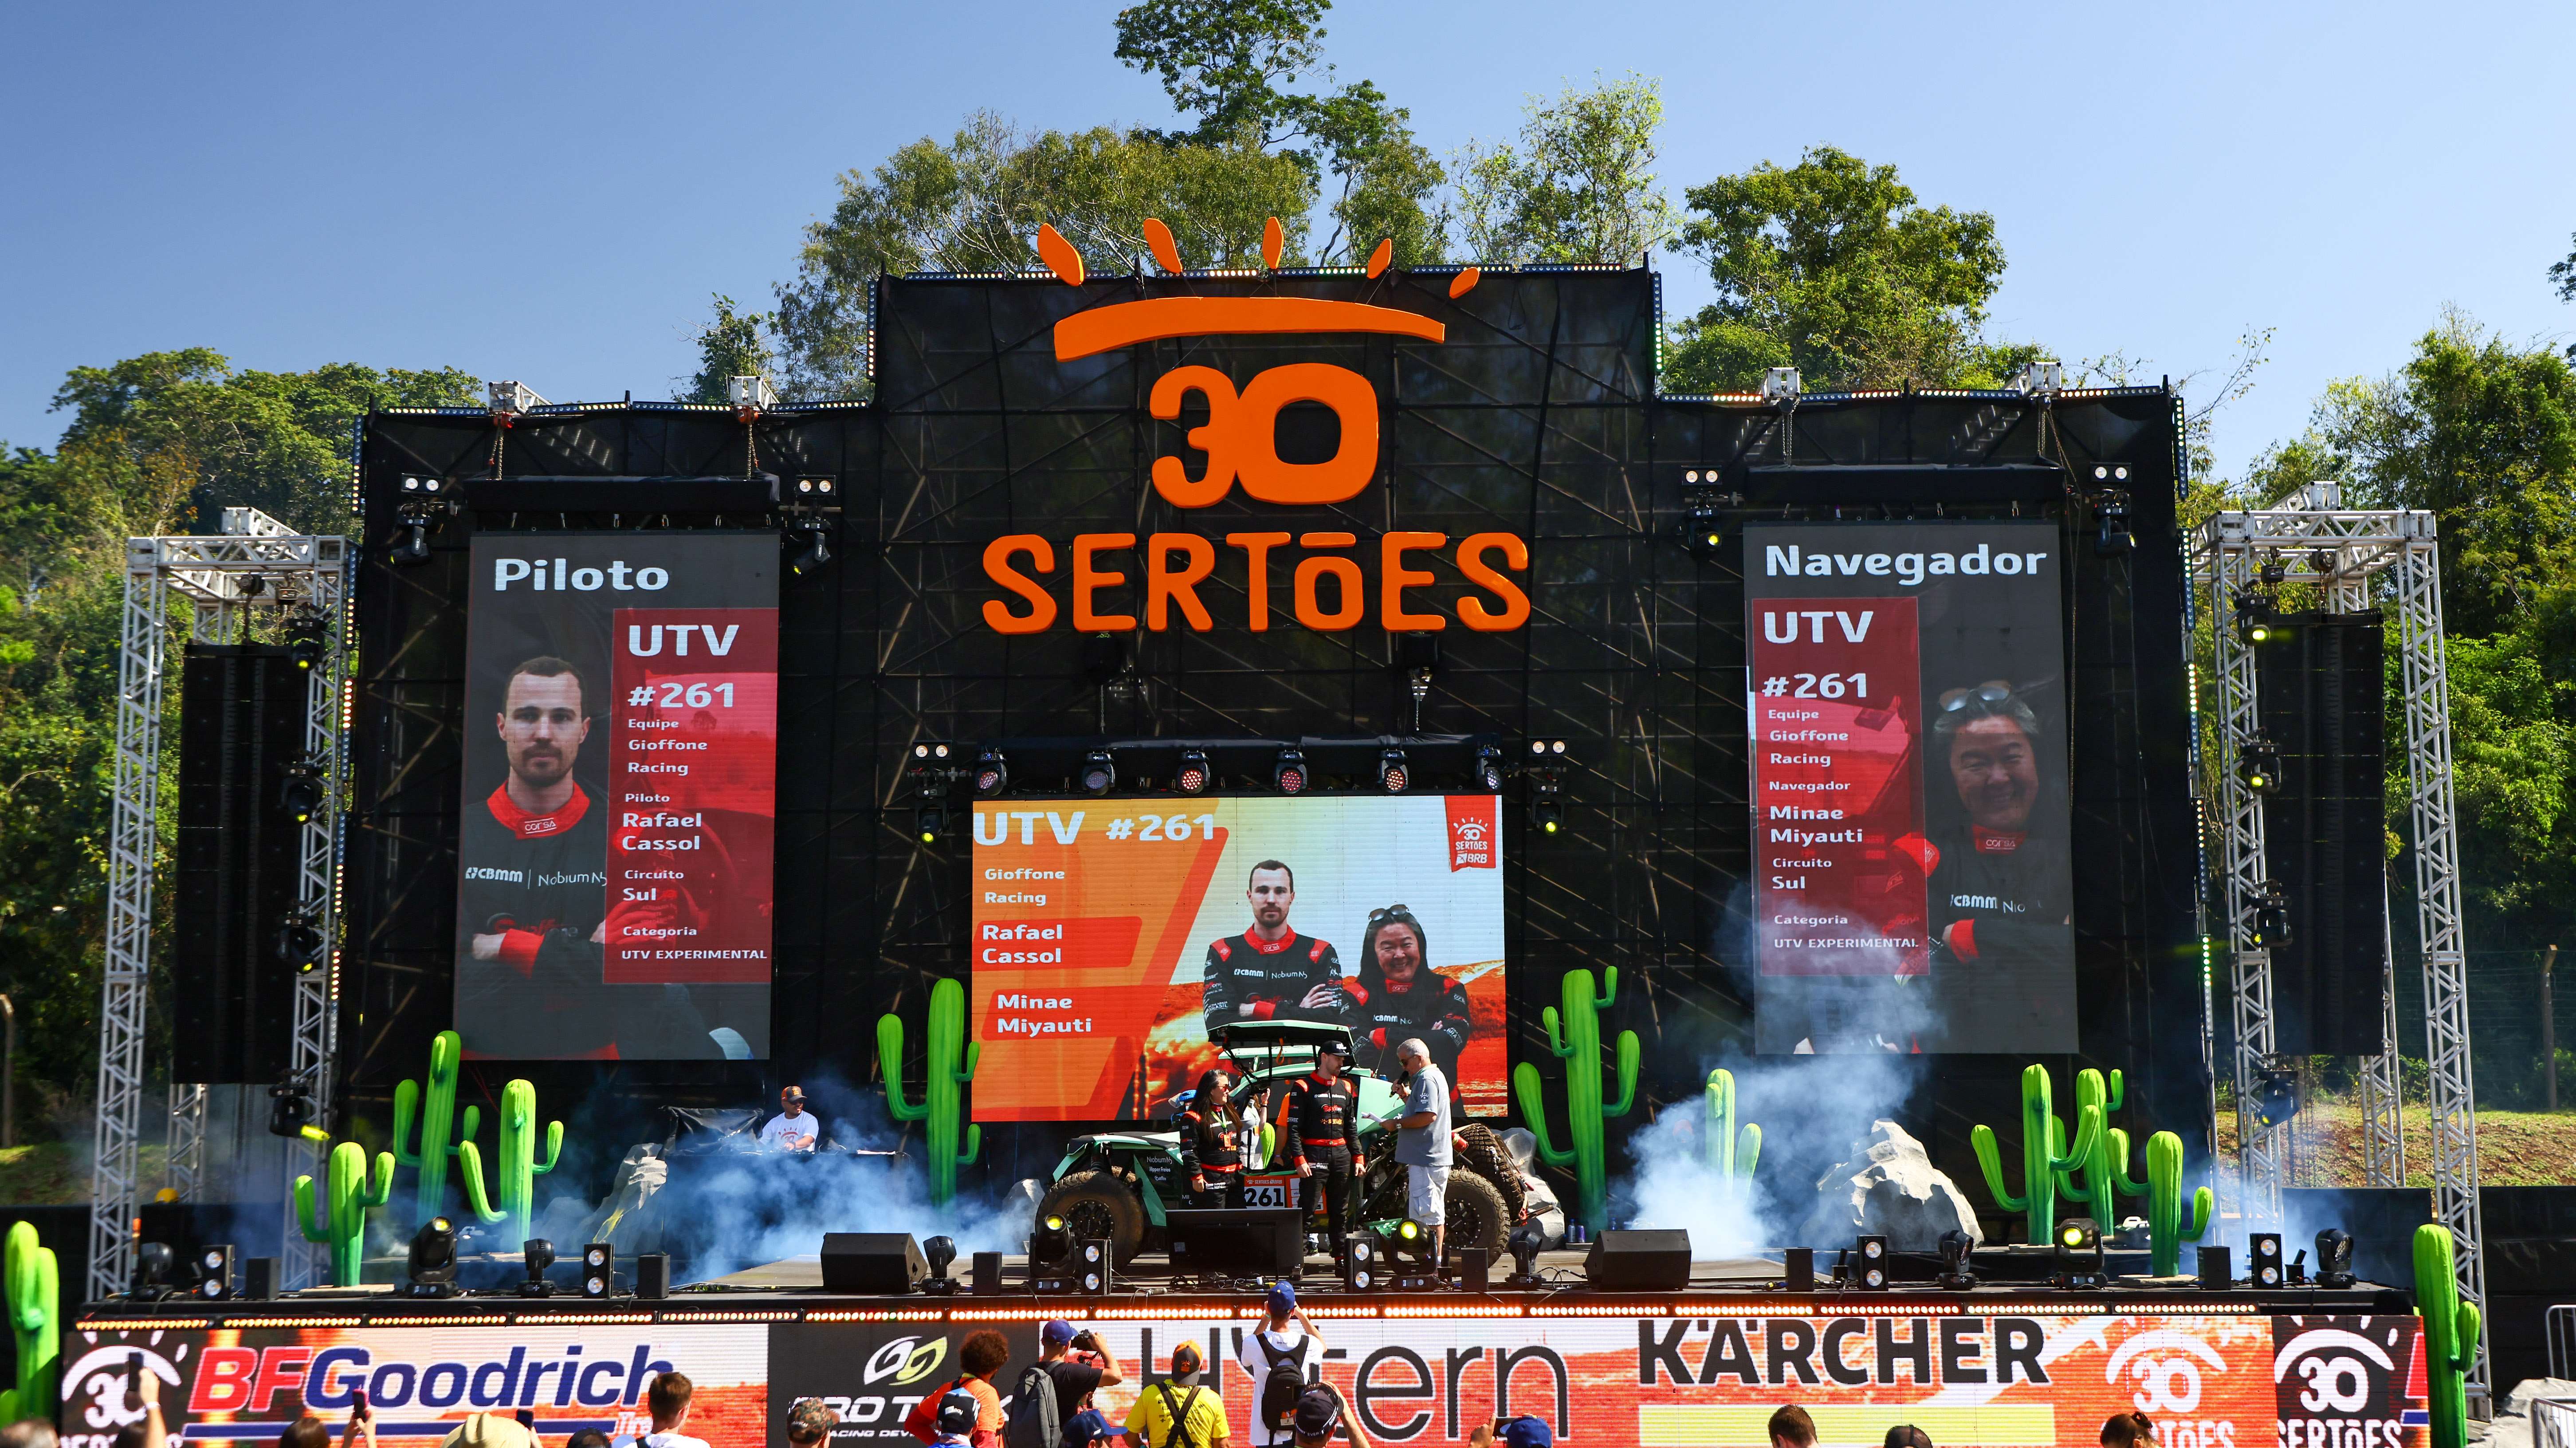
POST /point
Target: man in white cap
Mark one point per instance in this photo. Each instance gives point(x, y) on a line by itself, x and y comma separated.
point(1422, 1144)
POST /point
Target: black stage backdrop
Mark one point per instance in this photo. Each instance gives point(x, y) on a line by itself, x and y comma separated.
point(1537, 416)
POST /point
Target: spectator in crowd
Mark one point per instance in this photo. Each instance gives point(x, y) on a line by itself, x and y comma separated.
point(28, 1433)
point(1319, 1412)
point(1077, 1362)
point(1179, 1411)
point(587, 1438)
point(810, 1422)
point(488, 1430)
point(1790, 1427)
point(668, 1401)
point(2128, 1430)
point(981, 1356)
point(1906, 1435)
point(954, 1425)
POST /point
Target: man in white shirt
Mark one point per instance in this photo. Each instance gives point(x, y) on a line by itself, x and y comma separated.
point(794, 1128)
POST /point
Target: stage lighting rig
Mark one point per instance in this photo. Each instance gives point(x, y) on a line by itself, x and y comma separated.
point(1099, 772)
point(1404, 1247)
point(1489, 769)
point(811, 535)
point(2258, 765)
point(816, 490)
point(1361, 1269)
point(2111, 510)
point(305, 630)
point(1417, 657)
point(2079, 1251)
point(992, 774)
point(2271, 929)
point(2276, 1098)
point(290, 1108)
point(1957, 1247)
point(1194, 776)
point(939, 1252)
point(1525, 1243)
point(299, 791)
point(1547, 811)
point(2256, 620)
point(1051, 1256)
point(539, 1254)
point(1288, 772)
point(423, 505)
point(2264, 1250)
point(2334, 1258)
point(432, 1264)
point(1869, 1263)
point(152, 1261)
point(1698, 531)
point(300, 942)
point(929, 823)
point(1391, 773)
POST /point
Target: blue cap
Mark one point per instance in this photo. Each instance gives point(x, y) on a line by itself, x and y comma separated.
point(1528, 1433)
point(1283, 1298)
point(1056, 1333)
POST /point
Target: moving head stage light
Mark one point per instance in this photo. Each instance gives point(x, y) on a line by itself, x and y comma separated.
point(432, 1265)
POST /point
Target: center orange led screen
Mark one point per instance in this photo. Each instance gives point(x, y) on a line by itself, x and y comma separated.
point(1110, 936)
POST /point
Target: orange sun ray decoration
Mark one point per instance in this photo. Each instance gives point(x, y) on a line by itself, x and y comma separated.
point(1379, 258)
point(1158, 239)
point(1272, 240)
point(1465, 282)
point(1059, 255)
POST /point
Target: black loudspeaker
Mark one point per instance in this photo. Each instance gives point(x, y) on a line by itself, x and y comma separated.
point(873, 1262)
point(241, 723)
point(1475, 1269)
point(2319, 689)
point(599, 1269)
point(988, 1273)
point(259, 1279)
point(1798, 1269)
point(1655, 1260)
point(1236, 1241)
point(653, 1276)
point(2217, 1270)
point(215, 1271)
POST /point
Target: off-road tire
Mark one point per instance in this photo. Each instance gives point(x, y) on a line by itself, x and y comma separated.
point(1099, 1203)
point(1476, 1214)
point(1483, 1153)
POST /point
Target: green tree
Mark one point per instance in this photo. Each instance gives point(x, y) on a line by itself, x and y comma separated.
point(1833, 266)
point(732, 344)
point(1577, 187)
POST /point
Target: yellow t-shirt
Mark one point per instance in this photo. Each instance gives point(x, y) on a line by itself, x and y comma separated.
point(1151, 1421)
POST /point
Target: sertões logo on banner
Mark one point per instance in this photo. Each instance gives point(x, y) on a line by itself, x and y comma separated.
point(2162, 1369)
point(2337, 1381)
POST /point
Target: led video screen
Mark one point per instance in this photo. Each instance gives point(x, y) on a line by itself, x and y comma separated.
point(621, 742)
point(1110, 935)
point(1908, 758)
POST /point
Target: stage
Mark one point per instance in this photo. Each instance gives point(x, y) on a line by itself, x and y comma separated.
point(2017, 1365)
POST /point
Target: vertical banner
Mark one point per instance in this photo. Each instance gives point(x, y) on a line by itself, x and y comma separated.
point(1906, 714)
point(621, 698)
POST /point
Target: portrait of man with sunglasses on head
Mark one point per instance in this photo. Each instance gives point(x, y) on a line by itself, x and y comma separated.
point(2001, 888)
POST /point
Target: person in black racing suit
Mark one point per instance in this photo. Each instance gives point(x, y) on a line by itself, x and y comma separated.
point(2002, 894)
point(1269, 972)
point(1212, 1146)
point(533, 908)
point(1323, 1140)
point(1398, 995)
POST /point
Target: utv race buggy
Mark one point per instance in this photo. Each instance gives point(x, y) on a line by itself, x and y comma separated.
point(1119, 1184)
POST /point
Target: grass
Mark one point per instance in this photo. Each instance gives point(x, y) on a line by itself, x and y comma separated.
point(57, 1173)
point(2515, 1148)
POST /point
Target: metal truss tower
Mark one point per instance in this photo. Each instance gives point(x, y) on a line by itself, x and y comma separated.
point(256, 565)
point(2356, 559)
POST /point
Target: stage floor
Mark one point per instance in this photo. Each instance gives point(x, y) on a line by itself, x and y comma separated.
point(1153, 1267)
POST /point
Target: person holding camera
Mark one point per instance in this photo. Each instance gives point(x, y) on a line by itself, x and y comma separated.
point(1076, 1377)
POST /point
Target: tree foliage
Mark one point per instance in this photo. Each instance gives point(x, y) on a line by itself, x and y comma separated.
point(732, 344)
point(1834, 267)
point(1577, 186)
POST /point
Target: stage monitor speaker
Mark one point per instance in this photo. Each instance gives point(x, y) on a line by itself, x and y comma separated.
point(1475, 1269)
point(599, 1269)
point(988, 1273)
point(238, 862)
point(2319, 693)
point(1798, 1269)
point(215, 1271)
point(653, 1276)
point(1236, 1241)
point(2217, 1270)
point(872, 1262)
point(259, 1279)
point(1647, 1260)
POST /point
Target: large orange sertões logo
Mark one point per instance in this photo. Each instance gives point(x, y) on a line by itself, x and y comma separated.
point(1240, 438)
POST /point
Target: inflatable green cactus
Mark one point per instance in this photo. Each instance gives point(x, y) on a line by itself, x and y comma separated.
point(2094, 1179)
point(2042, 1157)
point(2163, 1191)
point(950, 1067)
point(1728, 1154)
point(2450, 1335)
point(515, 1161)
point(434, 1103)
point(35, 1316)
point(1575, 1037)
point(342, 1219)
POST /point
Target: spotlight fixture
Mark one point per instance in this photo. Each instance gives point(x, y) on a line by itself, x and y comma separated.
point(815, 490)
point(1194, 775)
point(2255, 620)
point(1288, 772)
point(1361, 1270)
point(1489, 769)
point(929, 822)
point(1698, 529)
point(2276, 1098)
point(1544, 749)
point(1956, 1249)
point(432, 1265)
point(1391, 773)
point(2334, 1258)
point(599, 1270)
point(1408, 1256)
point(421, 485)
point(304, 632)
point(539, 1255)
point(939, 1251)
point(1870, 1255)
point(1091, 1265)
point(215, 1272)
point(2265, 1250)
point(1547, 811)
point(2258, 765)
point(1524, 1244)
point(152, 1261)
point(1099, 772)
point(299, 792)
point(814, 534)
point(415, 520)
point(2271, 918)
point(290, 1108)
point(300, 942)
point(2111, 512)
point(1051, 1256)
point(2080, 1252)
point(992, 774)
point(2273, 571)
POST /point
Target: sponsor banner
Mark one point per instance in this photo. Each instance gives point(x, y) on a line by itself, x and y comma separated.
point(872, 1373)
point(246, 1385)
point(1907, 719)
point(1109, 936)
point(620, 801)
point(2349, 1382)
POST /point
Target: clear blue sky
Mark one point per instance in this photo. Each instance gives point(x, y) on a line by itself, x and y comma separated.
point(550, 192)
